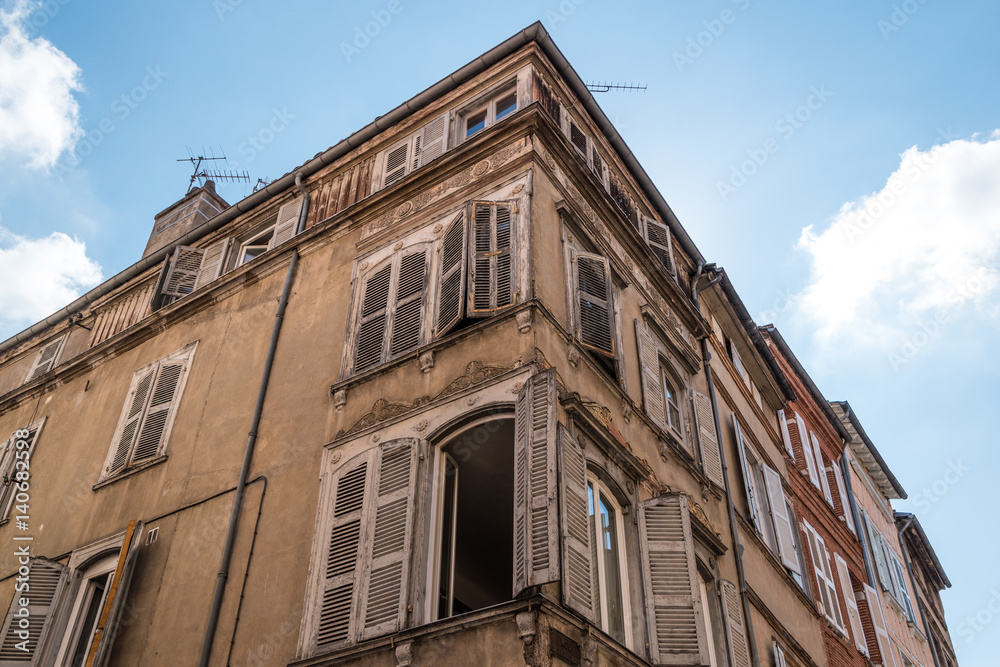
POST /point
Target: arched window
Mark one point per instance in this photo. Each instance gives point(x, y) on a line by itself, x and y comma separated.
point(609, 571)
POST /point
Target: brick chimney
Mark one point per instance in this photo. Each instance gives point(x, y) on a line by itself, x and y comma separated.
point(197, 206)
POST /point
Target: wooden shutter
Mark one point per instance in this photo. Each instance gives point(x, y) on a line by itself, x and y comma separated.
point(821, 468)
point(288, 221)
point(183, 273)
point(852, 606)
point(739, 653)
point(395, 163)
point(578, 138)
point(114, 603)
point(785, 436)
point(575, 529)
point(747, 477)
point(492, 285)
point(594, 314)
point(451, 288)
point(674, 614)
point(711, 457)
point(8, 464)
point(652, 389)
point(875, 542)
point(47, 358)
point(135, 405)
point(535, 521)
point(211, 263)
point(783, 525)
point(373, 318)
point(845, 505)
point(382, 606)
point(431, 142)
point(407, 313)
point(163, 399)
point(658, 239)
point(807, 452)
point(881, 630)
point(20, 645)
point(779, 655)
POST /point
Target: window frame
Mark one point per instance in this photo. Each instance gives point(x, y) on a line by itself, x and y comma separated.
point(9, 463)
point(487, 104)
point(600, 489)
point(825, 581)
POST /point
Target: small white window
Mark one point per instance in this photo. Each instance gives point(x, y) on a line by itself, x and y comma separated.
point(255, 247)
point(670, 397)
point(607, 547)
point(485, 115)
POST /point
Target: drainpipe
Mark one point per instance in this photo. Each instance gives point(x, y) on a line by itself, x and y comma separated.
point(859, 528)
point(299, 228)
point(916, 596)
point(227, 551)
point(731, 508)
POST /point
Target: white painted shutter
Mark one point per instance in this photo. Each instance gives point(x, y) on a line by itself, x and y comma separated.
point(374, 315)
point(395, 166)
point(881, 631)
point(594, 315)
point(711, 457)
point(785, 436)
point(747, 477)
point(674, 613)
point(807, 452)
point(408, 298)
point(783, 526)
point(853, 613)
point(8, 464)
point(536, 556)
point(574, 519)
point(135, 405)
point(845, 505)
point(431, 141)
point(492, 285)
point(47, 581)
point(658, 240)
point(388, 546)
point(652, 389)
point(451, 288)
point(108, 622)
point(162, 401)
point(779, 655)
point(288, 221)
point(821, 468)
point(183, 273)
point(875, 542)
point(47, 358)
point(737, 362)
point(739, 653)
point(211, 263)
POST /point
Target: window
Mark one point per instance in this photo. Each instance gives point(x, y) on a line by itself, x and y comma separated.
point(149, 411)
point(670, 398)
point(254, 247)
point(413, 152)
point(657, 237)
point(15, 463)
point(786, 438)
point(779, 655)
point(853, 613)
point(46, 358)
point(824, 577)
point(485, 114)
point(593, 308)
point(845, 505)
point(824, 484)
point(663, 391)
point(737, 361)
point(709, 630)
point(607, 553)
point(807, 450)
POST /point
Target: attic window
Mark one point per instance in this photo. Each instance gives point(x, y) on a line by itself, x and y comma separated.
point(483, 116)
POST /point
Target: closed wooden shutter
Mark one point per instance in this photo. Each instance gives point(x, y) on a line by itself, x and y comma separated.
point(748, 478)
point(8, 461)
point(875, 542)
point(374, 315)
point(288, 221)
point(785, 436)
point(162, 401)
point(431, 141)
point(19, 646)
point(578, 138)
point(594, 314)
point(395, 166)
point(135, 405)
point(536, 556)
point(183, 273)
point(114, 604)
point(783, 525)
point(821, 469)
point(658, 239)
point(652, 389)
point(492, 285)
point(674, 613)
point(708, 440)
point(881, 630)
point(853, 613)
point(451, 290)
point(211, 263)
point(46, 358)
point(574, 517)
point(739, 653)
point(407, 313)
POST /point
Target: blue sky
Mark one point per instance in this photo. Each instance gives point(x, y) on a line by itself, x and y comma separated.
point(839, 159)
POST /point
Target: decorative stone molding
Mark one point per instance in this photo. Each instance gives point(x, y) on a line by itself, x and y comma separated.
point(526, 626)
point(339, 399)
point(627, 411)
point(523, 321)
point(427, 361)
point(573, 355)
point(404, 654)
point(588, 651)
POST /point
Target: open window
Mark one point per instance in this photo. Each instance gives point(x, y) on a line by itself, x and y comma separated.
point(609, 566)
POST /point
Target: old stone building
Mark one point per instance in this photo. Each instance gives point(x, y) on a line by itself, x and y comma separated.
point(459, 390)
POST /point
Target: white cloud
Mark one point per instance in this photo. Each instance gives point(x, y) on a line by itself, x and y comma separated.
point(40, 276)
point(917, 252)
point(39, 118)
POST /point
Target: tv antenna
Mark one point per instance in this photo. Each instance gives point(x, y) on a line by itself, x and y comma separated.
point(604, 87)
point(224, 176)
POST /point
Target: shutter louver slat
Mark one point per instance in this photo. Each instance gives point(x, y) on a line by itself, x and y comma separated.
point(135, 406)
point(409, 307)
point(492, 274)
point(47, 580)
point(288, 220)
point(452, 286)
point(395, 164)
point(183, 273)
point(46, 358)
point(431, 142)
point(211, 263)
point(673, 599)
point(652, 389)
point(153, 425)
point(374, 308)
point(658, 240)
point(711, 456)
point(782, 522)
point(503, 219)
point(739, 653)
point(594, 317)
point(577, 592)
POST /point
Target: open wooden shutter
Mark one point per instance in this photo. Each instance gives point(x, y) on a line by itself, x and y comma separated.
point(881, 630)
point(382, 606)
point(536, 555)
point(154, 424)
point(114, 603)
point(395, 163)
point(807, 450)
point(652, 389)
point(451, 289)
point(20, 645)
point(711, 457)
point(821, 469)
point(875, 542)
point(658, 239)
point(374, 312)
point(673, 599)
point(708, 440)
point(492, 285)
point(8, 462)
point(739, 653)
point(845, 506)
point(183, 273)
point(211, 263)
point(408, 302)
point(47, 358)
point(782, 522)
point(431, 141)
point(574, 523)
point(785, 436)
point(594, 314)
point(779, 655)
point(853, 613)
point(135, 405)
point(288, 221)
point(748, 477)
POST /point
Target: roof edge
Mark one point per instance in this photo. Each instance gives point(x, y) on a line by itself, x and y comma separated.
point(913, 521)
point(849, 413)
